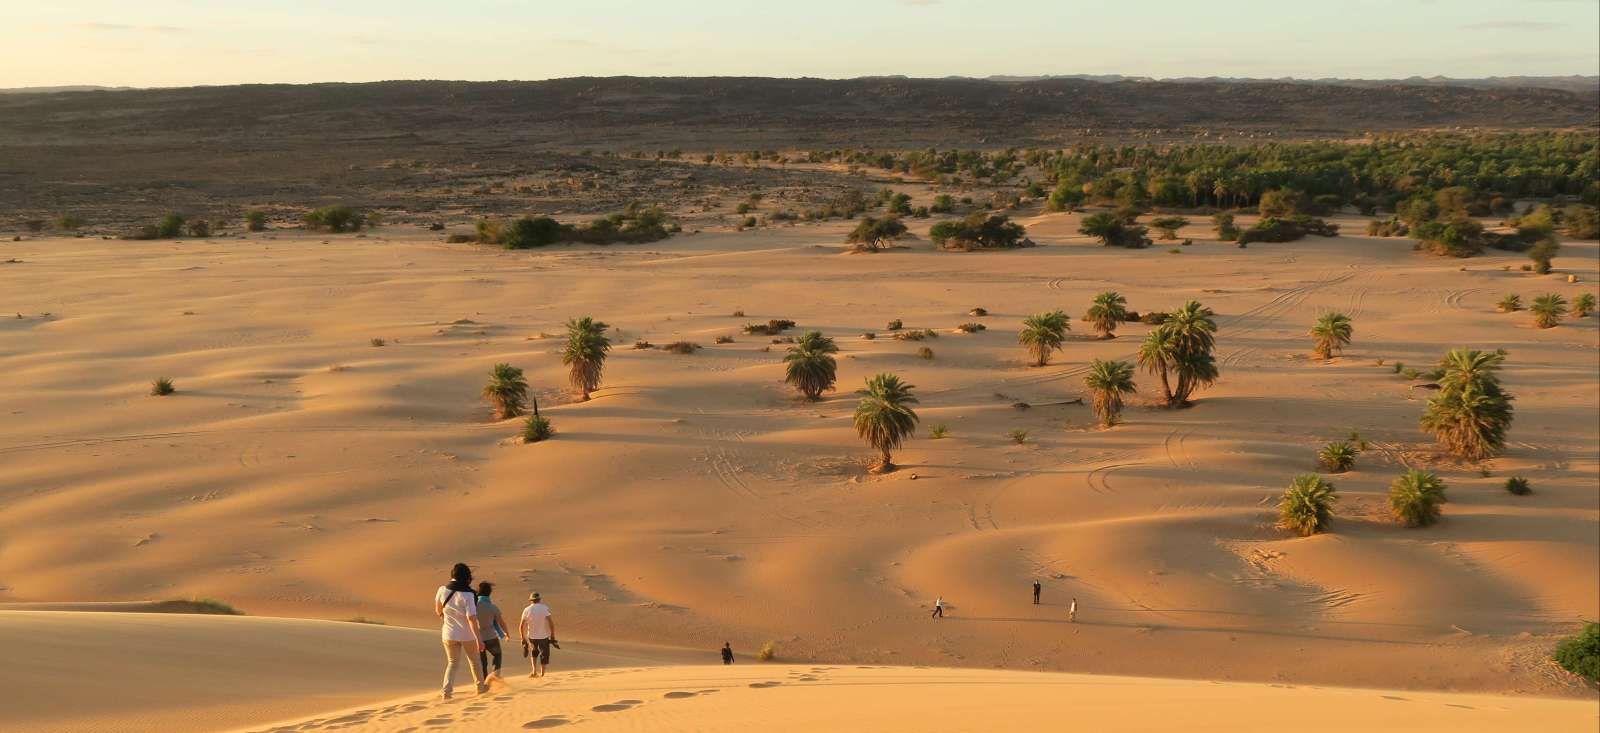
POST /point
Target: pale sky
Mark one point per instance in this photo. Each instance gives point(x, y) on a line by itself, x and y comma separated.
point(190, 42)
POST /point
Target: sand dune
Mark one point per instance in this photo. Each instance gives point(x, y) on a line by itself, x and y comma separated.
point(301, 471)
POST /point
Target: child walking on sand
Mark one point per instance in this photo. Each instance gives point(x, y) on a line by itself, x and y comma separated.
point(938, 608)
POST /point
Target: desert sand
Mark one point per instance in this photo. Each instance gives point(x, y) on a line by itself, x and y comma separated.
point(301, 471)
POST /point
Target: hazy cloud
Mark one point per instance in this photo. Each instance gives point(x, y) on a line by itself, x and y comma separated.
point(124, 27)
point(1512, 25)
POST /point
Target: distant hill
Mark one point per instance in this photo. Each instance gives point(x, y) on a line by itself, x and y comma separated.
point(53, 90)
point(1561, 83)
point(732, 112)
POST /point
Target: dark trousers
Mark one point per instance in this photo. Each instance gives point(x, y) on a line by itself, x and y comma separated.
point(938, 612)
point(490, 647)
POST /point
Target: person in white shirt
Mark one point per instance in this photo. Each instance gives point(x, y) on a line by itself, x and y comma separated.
point(457, 606)
point(537, 631)
point(938, 608)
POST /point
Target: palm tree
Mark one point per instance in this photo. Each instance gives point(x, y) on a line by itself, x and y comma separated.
point(1043, 333)
point(884, 418)
point(1414, 498)
point(507, 391)
point(1583, 306)
point(1307, 506)
point(1548, 310)
point(1108, 381)
point(585, 353)
point(810, 366)
point(1511, 302)
point(1108, 310)
point(1156, 356)
point(1330, 335)
point(1338, 456)
point(1194, 370)
point(1193, 328)
point(1470, 413)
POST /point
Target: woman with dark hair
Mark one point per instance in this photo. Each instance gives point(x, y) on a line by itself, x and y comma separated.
point(457, 605)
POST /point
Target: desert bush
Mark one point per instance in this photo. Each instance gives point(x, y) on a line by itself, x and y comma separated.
point(1391, 227)
point(773, 327)
point(378, 342)
point(1275, 229)
point(170, 225)
point(1169, 225)
point(978, 231)
point(1153, 318)
point(1018, 436)
point(1519, 486)
point(68, 222)
point(943, 204)
point(1226, 230)
point(971, 327)
point(1580, 654)
point(642, 344)
point(868, 335)
point(458, 238)
point(870, 234)
point(894, 325)
point(1415, 498)
point(924, 353)
point(767, 652)
point(1548, 310)
point(1410, 373)
point(681, 347)
point(724, 339)
point(1542, 252)
point(938, 431)
point(1330, 335)
point(162, 387)
point(255, 220)
point(916, 334)
point(199, 228)
point(1281, 203)
point(507, 391)
point(335, 218)
point(1583, 305)
point(537, 428)
point(1307, 505)
point(979, 312)
point(210, 606)
point(1338, 456)
point(1583, 222)
point(1114, 231)
point(528, 232)
point(1511, 302)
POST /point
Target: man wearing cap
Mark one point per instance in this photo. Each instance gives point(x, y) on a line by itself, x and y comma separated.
point(537, 632)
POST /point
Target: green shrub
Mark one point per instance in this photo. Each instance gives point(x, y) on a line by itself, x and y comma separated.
point(199, 228)
point(162, 387)
point(537, 428)
point(335, 218)
point(1307, 505)
point(768, 652)
point(1275, 229)
point(1519, 486)
point(894, 325)
point(197, 605)
point(924, 353)
point(971, 327)
point(68, 222)
point(682, 347)
point(1338, 456)
point(978, 231)
point(529, 232)
point(1415, 498)
point(938, 431)
point(1018, 436)
point(170, 226)
point(255, 220)
point(1580, 654)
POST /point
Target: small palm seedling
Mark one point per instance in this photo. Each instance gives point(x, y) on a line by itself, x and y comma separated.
point(1583, 306)
point(162, 387)
point(1519, 486)
point(1042, 334)
point(1415, 497)
point(1108, 309)
point(1338, 456)
point(938, 431)
point(537, 429)
point(884, 418)
point(378, 342)
point(1330, 335)
point(506, 391)
point(1108, 381)
point(1548, 310)
point(809, 366)
point(1018, 436)
point(1512, 302)
point(1307, 505)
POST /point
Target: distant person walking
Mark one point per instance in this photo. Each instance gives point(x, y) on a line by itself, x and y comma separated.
point(537, 630)
point(938, 608)
point(727, 653)
point(1072, 611)
point(457, 608)
point(1036, 589)
point(493, 628)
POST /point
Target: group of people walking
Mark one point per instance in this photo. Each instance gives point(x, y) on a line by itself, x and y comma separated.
point(472, 628)
point(1072, 608)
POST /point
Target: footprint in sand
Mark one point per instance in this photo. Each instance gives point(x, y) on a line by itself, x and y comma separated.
point(765, 685)
point(617, 706)
point(548, 721)
point(437, 721)
point(679, 695)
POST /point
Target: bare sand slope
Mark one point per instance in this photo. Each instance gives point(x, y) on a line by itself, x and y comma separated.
point(78, 671)
point(301, 471)
point(912, 700)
